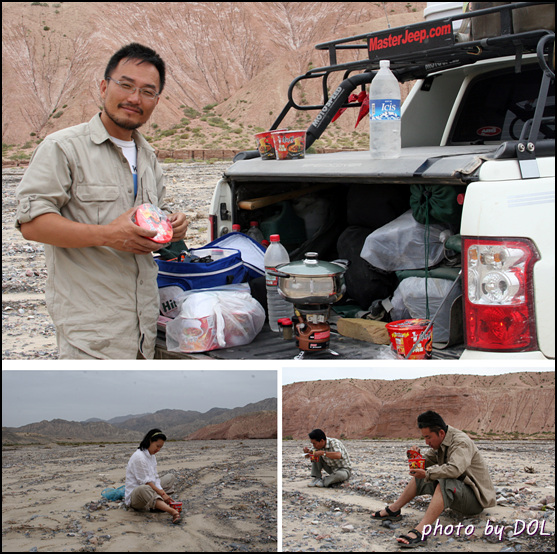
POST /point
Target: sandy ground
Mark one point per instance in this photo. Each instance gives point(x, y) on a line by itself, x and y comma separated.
point(27, 330)
point(338, 518)
point(51, 499)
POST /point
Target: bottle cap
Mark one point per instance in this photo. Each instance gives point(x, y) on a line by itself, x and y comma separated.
point(384, 63)
point(274, 238)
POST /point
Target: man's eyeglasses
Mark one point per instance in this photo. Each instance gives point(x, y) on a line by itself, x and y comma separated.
point(146, 93)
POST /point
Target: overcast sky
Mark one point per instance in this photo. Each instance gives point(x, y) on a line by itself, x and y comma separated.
point(29, 396)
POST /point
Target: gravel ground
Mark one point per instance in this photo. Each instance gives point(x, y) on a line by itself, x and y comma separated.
point(27, 330)
point(338, 518)
point(51, 499)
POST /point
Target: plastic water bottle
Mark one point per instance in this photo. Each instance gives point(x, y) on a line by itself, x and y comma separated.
point(384, 114)
point(254, 232)
point(277, 306)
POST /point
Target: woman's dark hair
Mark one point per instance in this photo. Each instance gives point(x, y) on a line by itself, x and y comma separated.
point(317, 435)
point(152, 436)
point(136, 51)
point(433, 421)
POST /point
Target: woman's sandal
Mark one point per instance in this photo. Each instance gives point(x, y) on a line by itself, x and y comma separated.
point(393, 516)
point(413, 542)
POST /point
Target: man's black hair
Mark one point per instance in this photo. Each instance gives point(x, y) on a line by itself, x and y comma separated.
point(317, 435)
point(152, 436)
point(136, 51)
point(433, 421)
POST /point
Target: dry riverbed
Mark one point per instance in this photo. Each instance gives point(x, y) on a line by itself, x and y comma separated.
point(27, 330)
point(337, 519)
point(51, 499)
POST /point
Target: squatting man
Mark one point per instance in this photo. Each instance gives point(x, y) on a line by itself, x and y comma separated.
point(330, 455)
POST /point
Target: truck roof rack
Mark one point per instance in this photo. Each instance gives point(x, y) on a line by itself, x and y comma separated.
point(416, 51)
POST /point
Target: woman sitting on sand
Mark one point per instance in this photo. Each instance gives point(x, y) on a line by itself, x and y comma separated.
point(144, 489)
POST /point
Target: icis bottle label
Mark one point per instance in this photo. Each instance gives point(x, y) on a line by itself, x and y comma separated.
point(384, 109)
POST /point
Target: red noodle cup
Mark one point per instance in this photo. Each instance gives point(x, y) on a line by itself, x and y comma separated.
point(176, 506)
point(152, 218)
point(405, 332)
point(314, 458)
point(416, 463)
point(290, 145)
point(266, 145)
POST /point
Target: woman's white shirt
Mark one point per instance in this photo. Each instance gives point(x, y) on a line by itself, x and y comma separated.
point(142, 469)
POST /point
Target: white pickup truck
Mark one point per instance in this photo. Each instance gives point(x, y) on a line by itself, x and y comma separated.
point(478, 126)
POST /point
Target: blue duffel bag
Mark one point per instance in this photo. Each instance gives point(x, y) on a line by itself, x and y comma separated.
point(219, 266)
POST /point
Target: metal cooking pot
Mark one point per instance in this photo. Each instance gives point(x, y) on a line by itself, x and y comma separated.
point(310, 281)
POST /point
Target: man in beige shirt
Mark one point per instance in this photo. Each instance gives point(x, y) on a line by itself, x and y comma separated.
point(455, 474)
point(78, 196)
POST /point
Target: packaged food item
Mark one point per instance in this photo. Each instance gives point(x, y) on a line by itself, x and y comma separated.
point(289, 145)
point(266, 145)
point(176, 505)
point(405, 332)
point(415, 459)
point(313, 457)
point(150, 217)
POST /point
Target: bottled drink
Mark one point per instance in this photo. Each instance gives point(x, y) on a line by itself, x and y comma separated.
point(277, 306)
point(384, 114)
point(254, 232)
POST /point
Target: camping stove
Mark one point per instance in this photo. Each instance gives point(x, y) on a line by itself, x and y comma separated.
point(312, 330)
point(312, 286)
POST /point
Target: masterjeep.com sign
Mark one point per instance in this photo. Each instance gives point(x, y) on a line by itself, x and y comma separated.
point(387, 44)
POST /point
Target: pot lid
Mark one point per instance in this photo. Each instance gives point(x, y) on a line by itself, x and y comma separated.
point(312, 267)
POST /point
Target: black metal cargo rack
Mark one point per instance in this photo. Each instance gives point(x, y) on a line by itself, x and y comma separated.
point(441, 49)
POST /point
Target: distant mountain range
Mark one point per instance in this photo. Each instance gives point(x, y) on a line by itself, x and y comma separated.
point(177, 425)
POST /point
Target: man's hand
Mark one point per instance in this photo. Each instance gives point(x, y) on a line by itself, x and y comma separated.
point(418, 473)
point(126, 236)
point(179, 226)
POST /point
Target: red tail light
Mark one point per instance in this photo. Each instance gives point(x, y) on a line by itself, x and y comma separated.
point(212, 227)
point(498, 294)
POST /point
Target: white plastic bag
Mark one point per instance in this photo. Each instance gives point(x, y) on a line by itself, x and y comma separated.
point(400, 244)
point(409, 301)
point(215, 318)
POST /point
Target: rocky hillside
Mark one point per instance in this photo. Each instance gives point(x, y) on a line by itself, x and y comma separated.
point(259, 420)
point(60, 430)
point(260, 425)
point(511, 405)
point(178, 424)
point(229, 64)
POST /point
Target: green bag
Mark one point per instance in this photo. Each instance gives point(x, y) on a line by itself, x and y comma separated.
point(440, 200)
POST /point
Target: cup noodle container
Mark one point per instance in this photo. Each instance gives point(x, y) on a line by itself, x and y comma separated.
point(405, 332)
point(198, 334)
point(289, 145)
point(266, 145)
point(176, 505)
point(416, 463)
point(152, 218)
